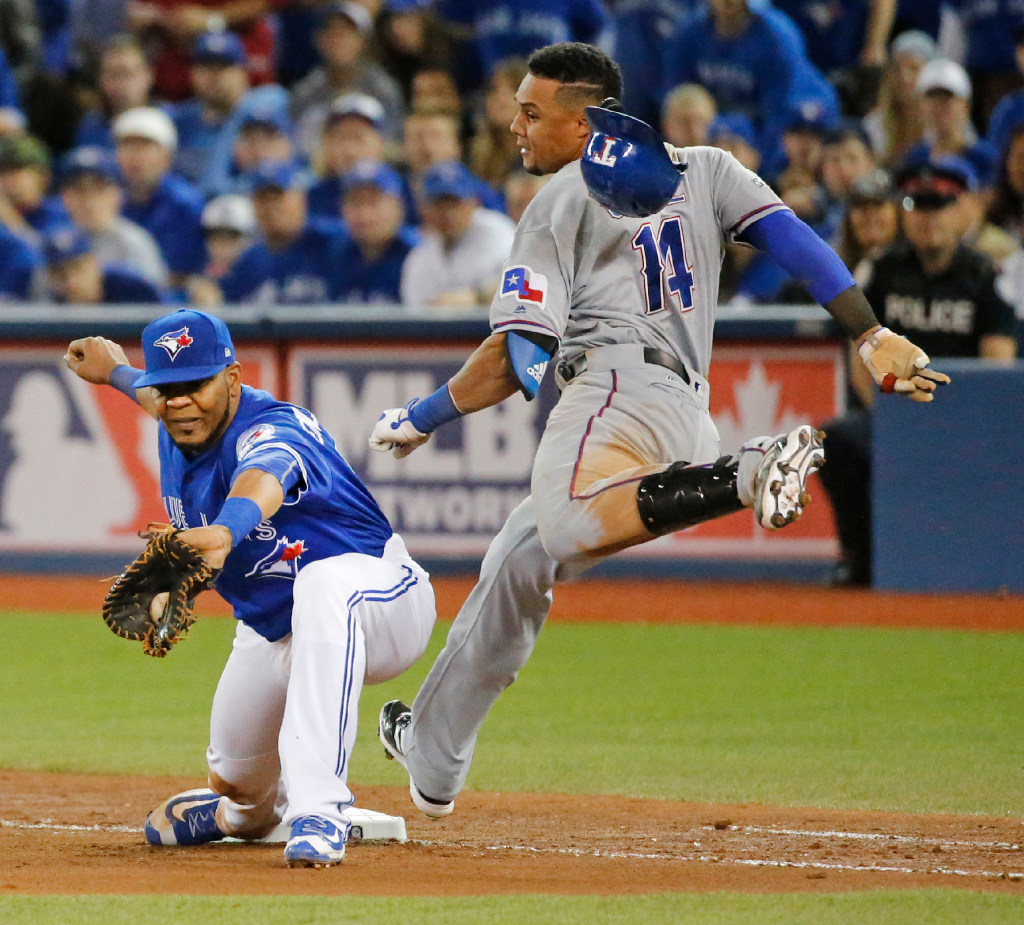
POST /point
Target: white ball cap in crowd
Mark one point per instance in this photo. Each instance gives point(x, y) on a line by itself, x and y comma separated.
point(230, 211)
point(943, 74)
point(146, 122)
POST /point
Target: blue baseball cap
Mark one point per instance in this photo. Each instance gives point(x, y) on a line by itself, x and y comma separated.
point(270, 116)
point(88, 160)
point(219, 48)
point(450, 178)
point(733, 124)
point(372, 173)
point(185, 346)
point(65, 244)
point(280, 175)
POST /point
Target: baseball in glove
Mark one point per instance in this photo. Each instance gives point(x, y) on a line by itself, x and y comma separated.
point(168, 565)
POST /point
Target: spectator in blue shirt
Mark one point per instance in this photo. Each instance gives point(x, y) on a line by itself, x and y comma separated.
point(351, 133)
point(18, 263)
point(990, 29)
point(208, 126)
point(75, 274)
point(497, 29)
point(946, 89)
point(370, 265)
point(296, 259)
point(744, 58)
point(840, 36)
point(1009, 112)
point(168, 207)
point(24, 180)
point(640, 29)
point(125, 81)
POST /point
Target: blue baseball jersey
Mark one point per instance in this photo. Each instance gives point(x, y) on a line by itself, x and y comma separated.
point(300, 274)
point(173, 216)
point(373, 281)
point(990, 28)
point(197, 137)
point(327, 510)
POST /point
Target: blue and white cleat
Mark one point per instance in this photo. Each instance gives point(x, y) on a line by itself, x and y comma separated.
point(189, 818)
point(315, 842)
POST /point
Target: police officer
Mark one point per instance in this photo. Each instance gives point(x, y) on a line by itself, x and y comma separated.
point(936, 291)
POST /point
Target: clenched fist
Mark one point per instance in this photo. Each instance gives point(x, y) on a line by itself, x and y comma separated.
point(394, 432)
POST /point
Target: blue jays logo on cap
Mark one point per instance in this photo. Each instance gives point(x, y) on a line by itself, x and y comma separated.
point(174, 342)
point(185, 346)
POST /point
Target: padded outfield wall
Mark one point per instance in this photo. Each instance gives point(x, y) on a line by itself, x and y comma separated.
point(78, 468)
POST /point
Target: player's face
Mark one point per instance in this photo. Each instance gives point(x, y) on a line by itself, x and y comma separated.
point(549, 135)
point(197, 413)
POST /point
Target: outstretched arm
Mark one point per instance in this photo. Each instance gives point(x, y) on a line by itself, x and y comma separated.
point(103, 362)
point(486, 378)
point(894, 362)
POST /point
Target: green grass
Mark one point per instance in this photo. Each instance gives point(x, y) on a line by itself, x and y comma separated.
point(925, 907)
point(856, 718)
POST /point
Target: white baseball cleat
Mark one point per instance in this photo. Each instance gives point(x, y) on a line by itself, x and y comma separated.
point(395, 717)
point(780, 486)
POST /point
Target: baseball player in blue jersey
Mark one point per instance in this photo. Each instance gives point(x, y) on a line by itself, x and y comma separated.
point(325, 594)
point(613, 279)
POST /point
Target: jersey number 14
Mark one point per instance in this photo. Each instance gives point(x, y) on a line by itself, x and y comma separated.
point(664, 264)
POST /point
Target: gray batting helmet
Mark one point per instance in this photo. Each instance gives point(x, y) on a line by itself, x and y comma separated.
point(625, 164)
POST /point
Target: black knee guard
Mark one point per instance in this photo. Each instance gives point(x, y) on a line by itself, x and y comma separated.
point(683, 496)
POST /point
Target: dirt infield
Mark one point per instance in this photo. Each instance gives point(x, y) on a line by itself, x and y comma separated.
point(63, 834)
point(73, 834)
point(594, 601)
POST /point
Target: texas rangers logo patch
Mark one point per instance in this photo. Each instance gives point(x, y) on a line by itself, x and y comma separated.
point(281, 562)
point(525, 285)
point(260, 433)
point(174, 342)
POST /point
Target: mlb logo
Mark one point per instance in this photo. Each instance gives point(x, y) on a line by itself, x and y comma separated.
point(524, 284)
point(174, 342)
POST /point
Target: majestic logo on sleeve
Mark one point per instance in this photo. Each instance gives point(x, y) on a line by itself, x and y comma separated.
point(525, 285)
point(174, 342)
point(253, 437)
point(281, 562)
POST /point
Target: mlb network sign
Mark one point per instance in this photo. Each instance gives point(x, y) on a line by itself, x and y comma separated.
point(79, 470)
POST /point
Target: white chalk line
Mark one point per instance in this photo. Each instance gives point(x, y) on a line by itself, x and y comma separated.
point(877, 836)
point(630, 855)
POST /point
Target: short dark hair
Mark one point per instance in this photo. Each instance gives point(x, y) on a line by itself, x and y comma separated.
point(589, 75)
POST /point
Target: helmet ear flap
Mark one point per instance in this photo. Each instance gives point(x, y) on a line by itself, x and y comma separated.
point(625, 164)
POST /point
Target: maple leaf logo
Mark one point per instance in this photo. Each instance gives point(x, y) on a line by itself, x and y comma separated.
point(758, 412)
point(183, 340)
point(293, 551)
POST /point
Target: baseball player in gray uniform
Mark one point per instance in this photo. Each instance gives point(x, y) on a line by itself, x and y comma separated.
point(622, 303)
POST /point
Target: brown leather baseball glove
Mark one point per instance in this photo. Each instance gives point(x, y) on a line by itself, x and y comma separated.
point(167, 565)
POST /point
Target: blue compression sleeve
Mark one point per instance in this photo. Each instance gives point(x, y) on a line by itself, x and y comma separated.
point(801, 253)
point(240, 516)
point(431, 412)
point(123, 378)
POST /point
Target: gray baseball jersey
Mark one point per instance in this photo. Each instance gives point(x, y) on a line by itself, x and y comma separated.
point(592, 278)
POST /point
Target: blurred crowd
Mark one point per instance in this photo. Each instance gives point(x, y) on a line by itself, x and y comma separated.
point(359, 152)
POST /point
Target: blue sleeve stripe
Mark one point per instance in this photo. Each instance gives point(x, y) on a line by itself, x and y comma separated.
point(801, 253)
